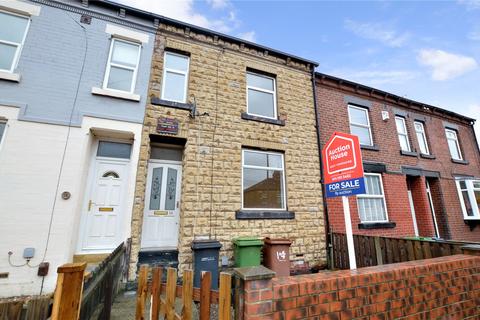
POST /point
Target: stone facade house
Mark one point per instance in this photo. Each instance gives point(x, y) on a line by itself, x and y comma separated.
point(229, 149)
point(422, 163)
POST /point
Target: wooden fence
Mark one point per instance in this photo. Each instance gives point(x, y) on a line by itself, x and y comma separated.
point(163, 296)
point(372, 251)
point(31, 308)
point(102, 285)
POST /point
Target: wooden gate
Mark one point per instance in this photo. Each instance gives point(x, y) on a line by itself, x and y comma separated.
point(163, 295)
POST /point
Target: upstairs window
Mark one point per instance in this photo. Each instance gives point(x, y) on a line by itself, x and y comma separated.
point(360, 124)
point(175, 77)
point(122, 66)
point(261, 96)
point(371, 205)
point(263, 180)
point(402, 134)
point(421, 137)
point(13, 30)
point(469, 194)
point(453, 144)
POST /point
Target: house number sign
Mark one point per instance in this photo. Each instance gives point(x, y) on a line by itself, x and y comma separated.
point(167, 126)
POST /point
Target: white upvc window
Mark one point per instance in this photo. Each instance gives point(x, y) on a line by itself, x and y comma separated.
point(261, 95)
point(13, 31)
point(469, 194)
point(371, 205)
point(421, 137)
point(402, 134)
point(122, 66)
point(263, 180)
point(175, 77)
point(453, 144)
point(360, 124)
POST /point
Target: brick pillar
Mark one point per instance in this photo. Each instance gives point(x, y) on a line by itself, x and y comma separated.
point(253, 293)
point(421, 203)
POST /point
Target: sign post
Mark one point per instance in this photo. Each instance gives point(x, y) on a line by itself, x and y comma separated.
point(343, 174)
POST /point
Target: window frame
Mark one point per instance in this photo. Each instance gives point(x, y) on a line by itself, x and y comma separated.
point(423, 134)
point(273, 92)
point(19, 46)
point(457, 143)
point(176, 71)
point(369, 196)
point(404, 122)
point(109, 66)
point(284, 193)
point(471, 197)
point(369, 126)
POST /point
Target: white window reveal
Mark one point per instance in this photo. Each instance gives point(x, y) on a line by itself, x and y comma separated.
point(453, 144)
point(402, 134)
point(13, 30)
point(261, 96)
point(421, 137)
point(263, 182)
point(360, 124)
point(175, 77)
point(122, 66)
point(469, 194)
point(3, 127)
point(372, 206)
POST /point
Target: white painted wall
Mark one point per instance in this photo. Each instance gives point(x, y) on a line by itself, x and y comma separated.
point(30, 158)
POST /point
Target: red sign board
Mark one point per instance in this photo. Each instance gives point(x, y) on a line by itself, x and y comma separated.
point(342, 165)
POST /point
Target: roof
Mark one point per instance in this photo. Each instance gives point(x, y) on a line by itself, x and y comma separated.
point(392, 96)
point(177, 23)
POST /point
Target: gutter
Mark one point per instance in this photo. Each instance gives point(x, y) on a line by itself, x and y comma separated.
point(324, 198)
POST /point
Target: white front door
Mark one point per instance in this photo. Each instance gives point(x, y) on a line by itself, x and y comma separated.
point(162, 202)
point(105, 205)
point(412, 210)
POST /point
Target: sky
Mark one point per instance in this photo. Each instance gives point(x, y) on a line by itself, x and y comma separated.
point(427, 51)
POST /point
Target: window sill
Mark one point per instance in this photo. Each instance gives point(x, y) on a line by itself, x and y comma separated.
point(116, 94)
point(465, 162)
point(246, 116)
point(263, 214)
point(372, 148)
point(408, 153)
point(427, 156)
point(376, 225)
point(472, 222)
point(15, 77)
point(172, 104)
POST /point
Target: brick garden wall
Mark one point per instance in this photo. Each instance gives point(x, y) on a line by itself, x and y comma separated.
point(333, 116)
point(446, 288)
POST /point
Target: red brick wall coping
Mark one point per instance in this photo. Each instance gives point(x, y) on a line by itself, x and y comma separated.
point(446, 287)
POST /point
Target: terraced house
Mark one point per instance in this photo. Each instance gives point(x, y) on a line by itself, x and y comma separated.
point(73, 87)
point(421, 162)
point(229, 149)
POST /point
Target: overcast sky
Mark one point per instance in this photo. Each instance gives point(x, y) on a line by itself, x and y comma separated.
point(427, 51)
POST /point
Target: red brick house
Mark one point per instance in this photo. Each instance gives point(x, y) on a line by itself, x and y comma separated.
point(421, 163)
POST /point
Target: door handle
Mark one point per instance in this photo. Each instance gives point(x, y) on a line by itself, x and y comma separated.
point(90, 203)
point(178, 202)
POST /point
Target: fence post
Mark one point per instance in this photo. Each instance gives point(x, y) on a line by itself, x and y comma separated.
point(249, 283)
point(68, 292)
point(378, 251)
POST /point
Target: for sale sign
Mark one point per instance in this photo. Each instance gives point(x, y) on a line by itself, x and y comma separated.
point(342, 166)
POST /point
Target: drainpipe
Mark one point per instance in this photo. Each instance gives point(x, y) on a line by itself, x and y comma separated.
point(324, 198)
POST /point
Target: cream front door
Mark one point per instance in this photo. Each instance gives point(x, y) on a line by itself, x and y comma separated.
point(105, 206)
point(162, 202)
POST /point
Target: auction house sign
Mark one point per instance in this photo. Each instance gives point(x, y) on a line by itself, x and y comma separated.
point(342, 166)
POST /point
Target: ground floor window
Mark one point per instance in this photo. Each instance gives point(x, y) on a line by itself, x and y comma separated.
point(469, 194)
point(263, 181)
point(372, 206)
point(3, 125)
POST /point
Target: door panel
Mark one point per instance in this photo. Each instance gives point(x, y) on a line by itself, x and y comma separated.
point(162, 214)
point(105, 205)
